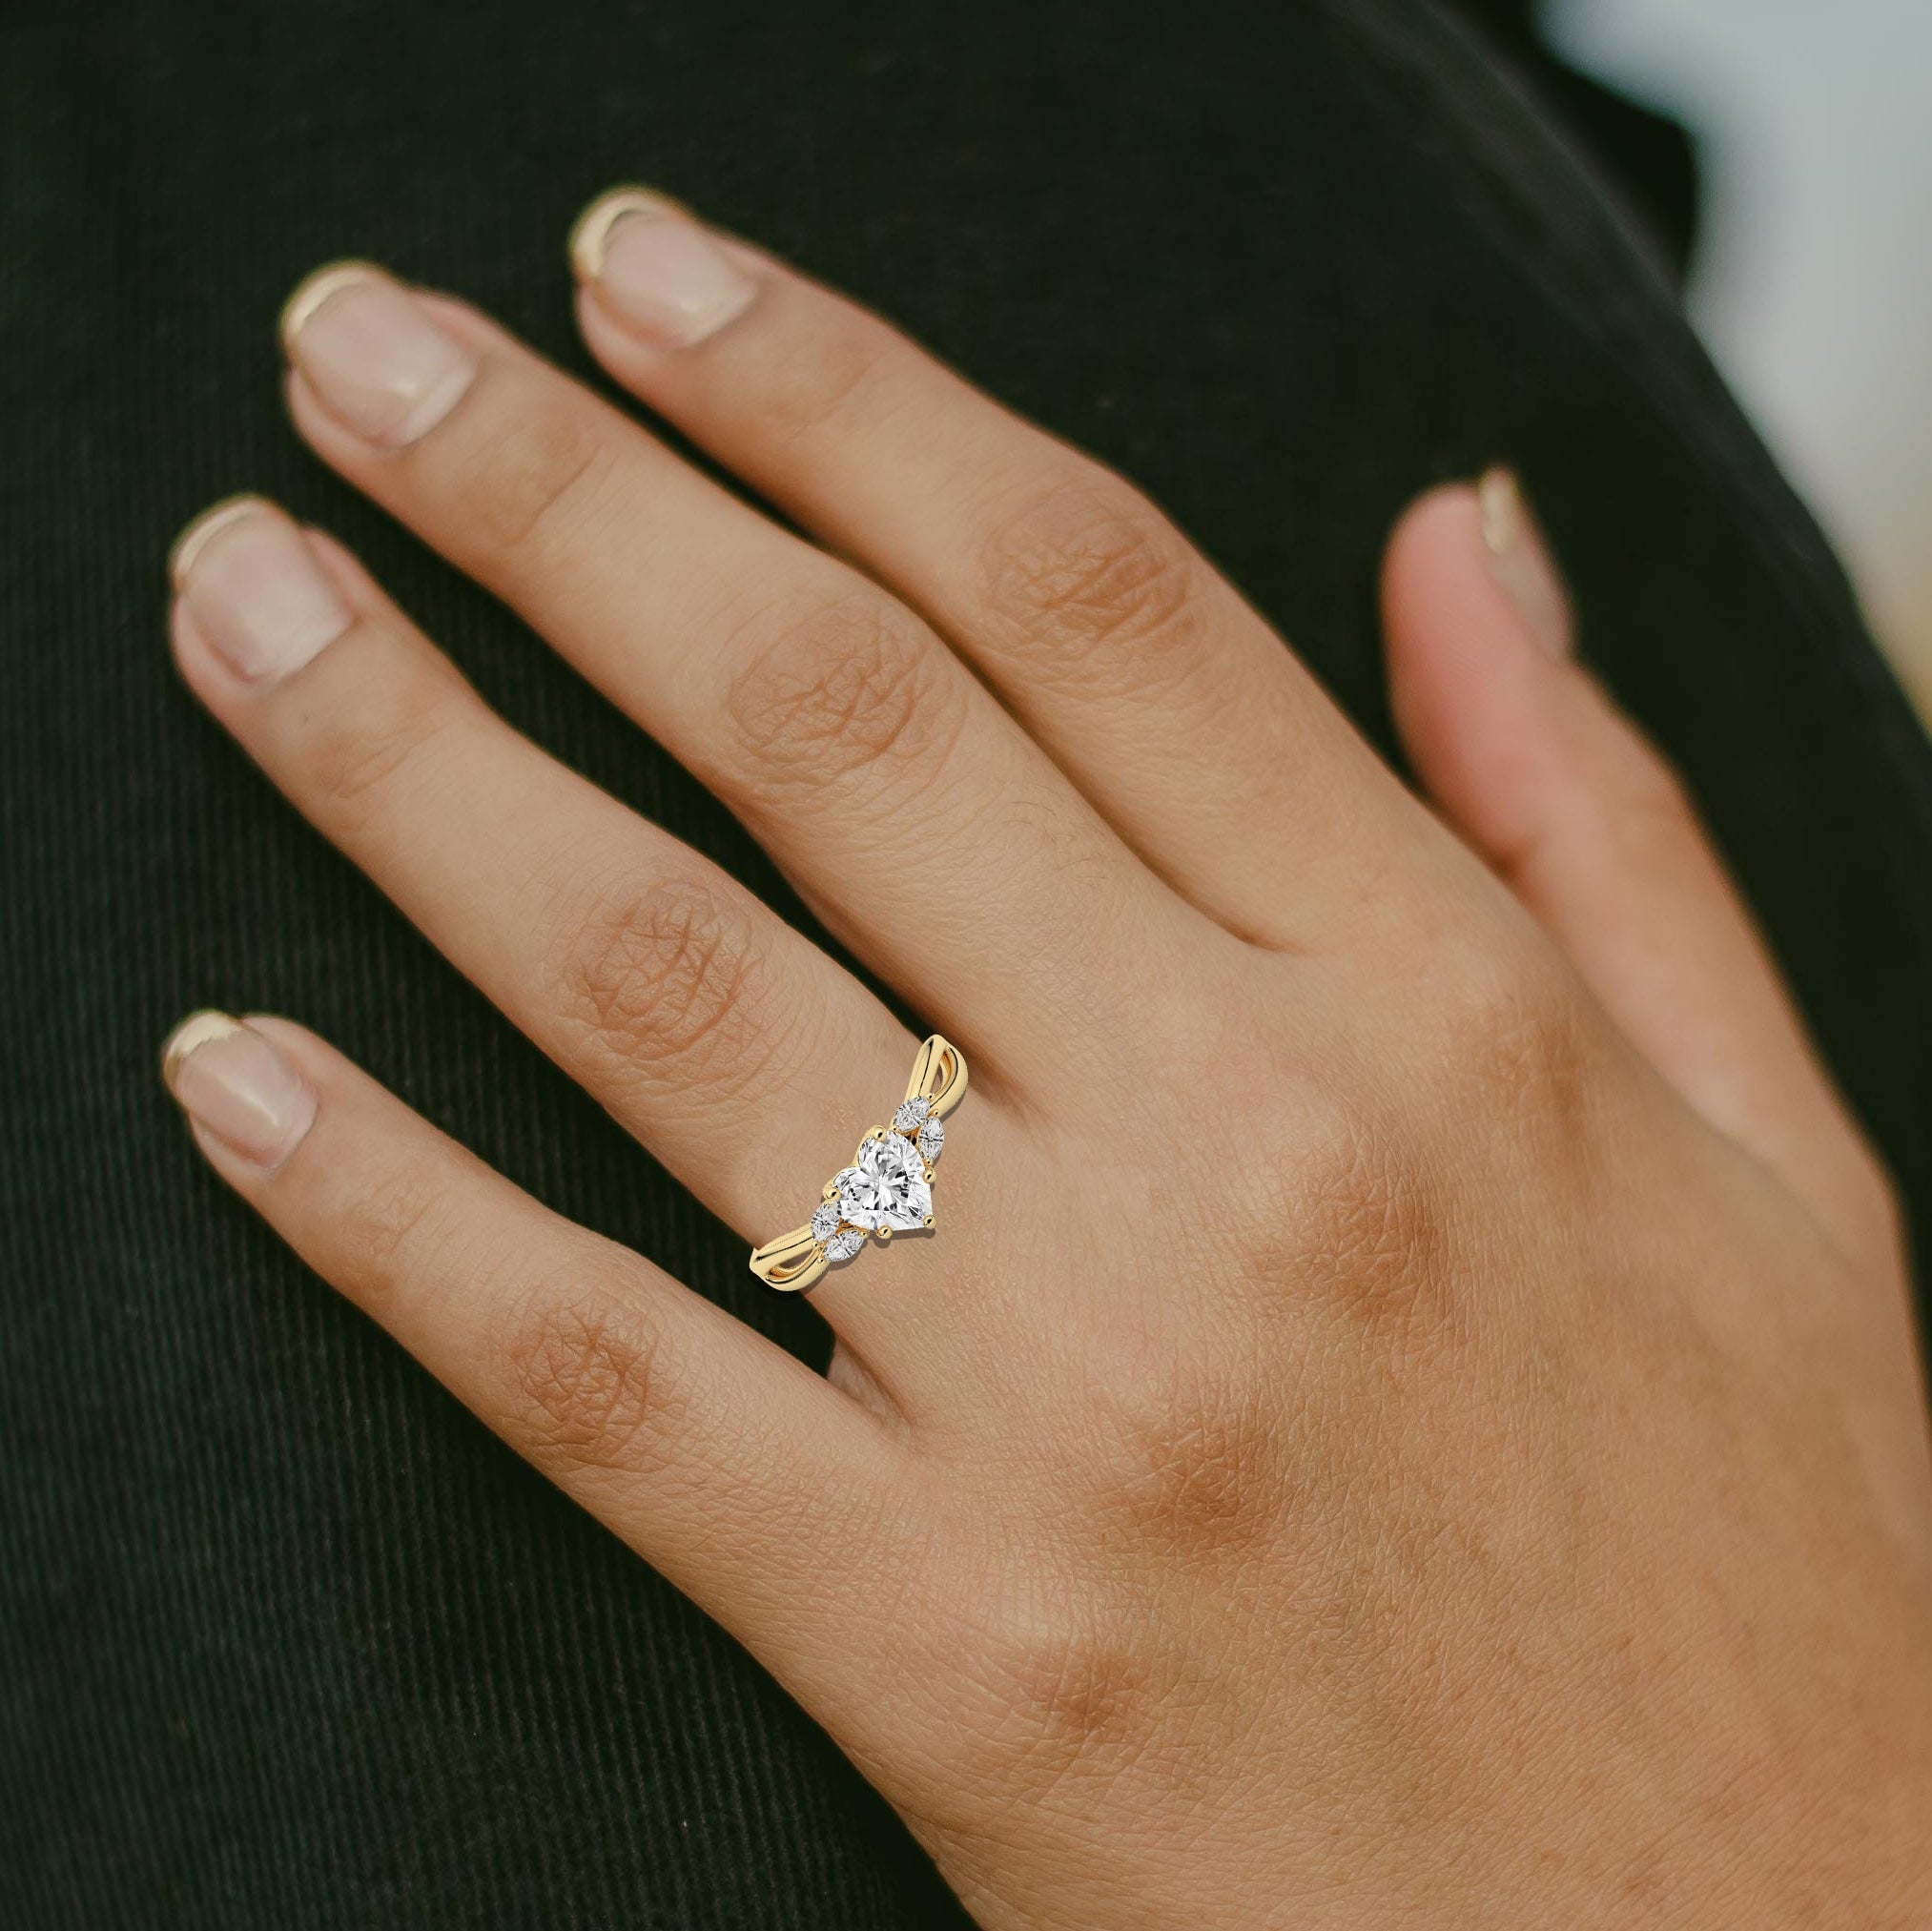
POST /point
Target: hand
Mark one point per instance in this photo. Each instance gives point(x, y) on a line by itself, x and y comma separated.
point(1409, 1413)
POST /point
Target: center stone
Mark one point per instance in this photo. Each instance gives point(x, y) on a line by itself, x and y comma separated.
point(887, 1187)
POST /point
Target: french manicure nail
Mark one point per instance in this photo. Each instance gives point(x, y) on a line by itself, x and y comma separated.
point(256, 590)
point(1520, 561)
point(233, 1084)
point(373, 355)
point(655, 270)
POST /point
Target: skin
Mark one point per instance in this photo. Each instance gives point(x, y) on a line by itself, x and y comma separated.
point(1409, 1415)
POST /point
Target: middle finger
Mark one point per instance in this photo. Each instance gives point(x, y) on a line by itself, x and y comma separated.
point(910, 810)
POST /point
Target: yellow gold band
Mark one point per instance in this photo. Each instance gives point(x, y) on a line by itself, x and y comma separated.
point(887, 1188)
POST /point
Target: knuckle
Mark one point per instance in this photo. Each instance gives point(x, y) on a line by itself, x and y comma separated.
point(845, 362)
point(537, 482)
point(1646, 786)
point(1369, 1229)
point(1345, 1209)
point(1515, 1032)
point(1094, 583)
point(846, 685)
point(588, 1380)
point(353, 756)
point(402, 1214)
point(1647, 834)
point(1191, 1455)
point(1638, 809)
point(1343, 1213)
point(1062, 1689)
point(669, 978)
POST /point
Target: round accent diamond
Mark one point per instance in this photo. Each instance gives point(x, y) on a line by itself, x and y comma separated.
point(824, 1222)
point(911, 1116)
point(886, 1186)
point(842, 1246)
point(932, 1138)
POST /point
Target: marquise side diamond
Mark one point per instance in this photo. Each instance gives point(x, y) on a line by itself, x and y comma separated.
point(887, 1189)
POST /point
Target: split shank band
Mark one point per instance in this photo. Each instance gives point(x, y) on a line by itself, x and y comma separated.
point(887, 1189)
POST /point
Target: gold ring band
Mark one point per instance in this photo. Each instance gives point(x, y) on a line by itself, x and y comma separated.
point(887, 1189)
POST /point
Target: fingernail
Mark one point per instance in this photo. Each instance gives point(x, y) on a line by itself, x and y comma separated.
point(655, 270)
point(233, 1084)
point(371, 351)
point(1521, 562)
point(256, 590)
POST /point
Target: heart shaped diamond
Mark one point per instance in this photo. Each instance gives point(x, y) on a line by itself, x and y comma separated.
point(886, 1186)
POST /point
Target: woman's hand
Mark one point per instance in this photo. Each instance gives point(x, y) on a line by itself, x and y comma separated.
point(1409, 1413)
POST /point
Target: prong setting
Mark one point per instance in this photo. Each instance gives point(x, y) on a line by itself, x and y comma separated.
point(887, 1189)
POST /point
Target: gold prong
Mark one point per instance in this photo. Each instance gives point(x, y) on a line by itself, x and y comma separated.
point(799, 1258)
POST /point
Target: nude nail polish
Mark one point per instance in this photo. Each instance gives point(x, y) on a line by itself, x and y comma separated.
point(1520, 562)
point(656, 272)
point(236, 1086)
point(373, 355)
point(256, 591)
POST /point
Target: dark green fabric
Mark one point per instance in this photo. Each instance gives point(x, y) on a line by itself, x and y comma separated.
point(286, 1638)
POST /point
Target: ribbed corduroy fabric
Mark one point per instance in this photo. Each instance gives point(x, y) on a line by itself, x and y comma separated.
point(286, 1638)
